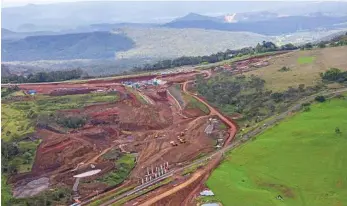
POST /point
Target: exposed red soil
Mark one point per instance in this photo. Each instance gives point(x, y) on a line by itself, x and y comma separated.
point(145, 129)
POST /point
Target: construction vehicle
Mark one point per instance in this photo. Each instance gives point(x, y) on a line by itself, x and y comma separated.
point(182, 140)
point(182, 134)
point(173, 143)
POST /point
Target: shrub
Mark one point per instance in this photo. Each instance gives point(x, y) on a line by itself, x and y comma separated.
point(284, 69)
point(320, 98)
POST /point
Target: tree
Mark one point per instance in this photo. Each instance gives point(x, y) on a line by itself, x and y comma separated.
point(301, 87)
point(277, 96)
point(308, 46)
point(322, 45)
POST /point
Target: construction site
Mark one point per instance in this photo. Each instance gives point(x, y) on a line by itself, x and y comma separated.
point(146, 122)
point(172, 145)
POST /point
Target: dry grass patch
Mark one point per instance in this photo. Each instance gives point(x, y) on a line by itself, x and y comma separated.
point(299, 73)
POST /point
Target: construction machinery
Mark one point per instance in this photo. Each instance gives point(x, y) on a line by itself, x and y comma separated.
point(173, 143)
point(182, 140)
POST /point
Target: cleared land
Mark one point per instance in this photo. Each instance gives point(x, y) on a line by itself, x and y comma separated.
point(302, 159)
point(305, 67)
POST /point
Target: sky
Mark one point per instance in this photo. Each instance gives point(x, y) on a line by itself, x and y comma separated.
point(10, 3)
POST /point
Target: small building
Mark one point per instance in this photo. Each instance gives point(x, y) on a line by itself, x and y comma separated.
point(32, 92)
point(207, 193)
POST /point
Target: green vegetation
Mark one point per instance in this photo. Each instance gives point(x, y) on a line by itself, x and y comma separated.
point(334, 75)
point(14, 122)
point(6, 193)
point(192, 103)
point(284, 69)
point(193, 168)
point(247, 96)
point(306, 60)
point(52, 76)
point(302, 159)
point(320, 98)
point(124, 165)
point(72, 122)
point(7, 91)
point(18, 118)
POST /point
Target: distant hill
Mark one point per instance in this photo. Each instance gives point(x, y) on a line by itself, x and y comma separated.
point(94, 45)
point(198, 17)
point(8, 34)
point(276, 26)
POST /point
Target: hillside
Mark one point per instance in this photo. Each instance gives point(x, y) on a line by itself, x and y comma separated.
point(167, 42)
point(95, 45)
point(290, 163)
point(275, 26)
point(305, 67)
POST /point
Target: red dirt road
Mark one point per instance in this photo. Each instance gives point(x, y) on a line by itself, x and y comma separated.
point(232, 125)
point(196, 182)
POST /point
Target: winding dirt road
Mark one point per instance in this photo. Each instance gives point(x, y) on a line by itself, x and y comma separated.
point(201, 175)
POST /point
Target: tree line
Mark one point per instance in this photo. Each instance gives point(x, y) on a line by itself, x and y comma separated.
point(52, 76)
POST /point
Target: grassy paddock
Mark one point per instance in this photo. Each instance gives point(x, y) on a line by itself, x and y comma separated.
point(302, 159)
point(305, 67)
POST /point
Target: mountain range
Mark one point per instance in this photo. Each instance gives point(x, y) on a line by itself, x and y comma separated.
point(133, 32)
point(93, 45)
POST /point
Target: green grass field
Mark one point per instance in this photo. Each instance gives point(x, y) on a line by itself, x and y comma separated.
point(306, 60)
point(302, 159)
